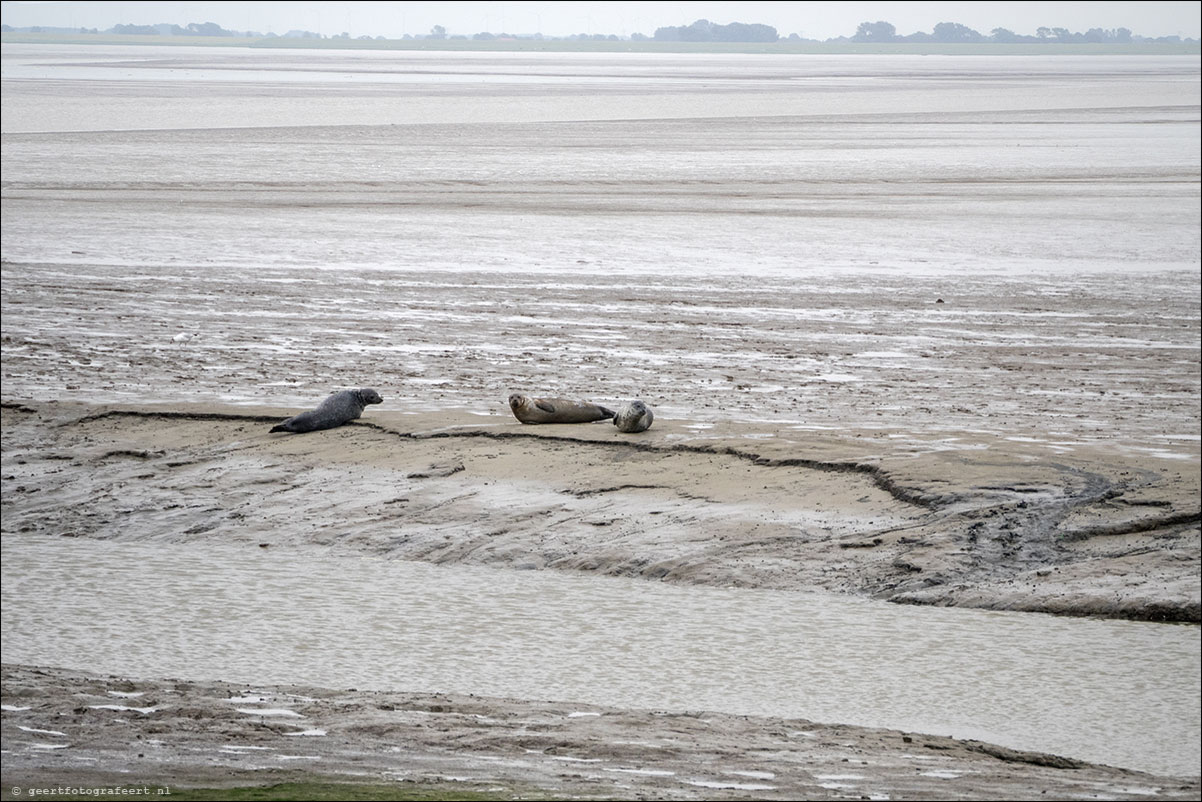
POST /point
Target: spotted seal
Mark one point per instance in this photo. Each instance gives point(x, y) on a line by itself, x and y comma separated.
point(556, 410)
point(341, 407)
point(634, 417)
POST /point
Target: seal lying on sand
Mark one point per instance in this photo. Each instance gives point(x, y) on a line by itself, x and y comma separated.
point(341, 407)
point(634, 417)
point(556, 410)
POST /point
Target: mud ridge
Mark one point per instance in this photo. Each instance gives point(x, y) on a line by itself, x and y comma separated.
point(1133, 527)
point(1032, 758)
point(879, 477)
point(614, 489)
point(133, 413)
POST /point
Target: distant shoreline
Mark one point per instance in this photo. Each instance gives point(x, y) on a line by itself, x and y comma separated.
point(782, 47)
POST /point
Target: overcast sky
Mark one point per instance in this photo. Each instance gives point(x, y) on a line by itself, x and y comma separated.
point(816, 20)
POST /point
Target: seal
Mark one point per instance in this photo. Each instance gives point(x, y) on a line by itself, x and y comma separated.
point(341, 407)
point(634, 417)
point(556, 410)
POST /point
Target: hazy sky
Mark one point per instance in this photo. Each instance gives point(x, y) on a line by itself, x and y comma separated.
point(817, 20)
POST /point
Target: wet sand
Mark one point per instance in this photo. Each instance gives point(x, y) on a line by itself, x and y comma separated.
point(737, 506)
point(744, 506)
point(213, 734)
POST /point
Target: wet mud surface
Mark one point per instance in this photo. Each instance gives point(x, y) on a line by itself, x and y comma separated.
point(212, 734)
point(736, 507)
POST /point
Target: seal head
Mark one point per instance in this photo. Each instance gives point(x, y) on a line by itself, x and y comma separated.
point(634, 417)
point(528, 409)
point(341, 407)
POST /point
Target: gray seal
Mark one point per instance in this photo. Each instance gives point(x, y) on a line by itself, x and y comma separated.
point(634, 417)
point(556, 410)
point(341, 407)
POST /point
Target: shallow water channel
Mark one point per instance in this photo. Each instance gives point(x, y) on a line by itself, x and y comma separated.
point(1115, 692)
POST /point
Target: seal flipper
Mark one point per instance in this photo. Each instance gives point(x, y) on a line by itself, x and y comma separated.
point(280, 427)
point(545, 407)
point(609, 413)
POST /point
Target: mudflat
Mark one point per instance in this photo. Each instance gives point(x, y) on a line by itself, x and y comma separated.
point(920, 331)
point(73, 729)
point(758, 506)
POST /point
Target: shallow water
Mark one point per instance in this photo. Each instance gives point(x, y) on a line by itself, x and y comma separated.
point(1121, 693)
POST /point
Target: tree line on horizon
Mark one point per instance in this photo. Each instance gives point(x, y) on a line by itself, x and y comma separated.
point(700, 31)
point(950, 32)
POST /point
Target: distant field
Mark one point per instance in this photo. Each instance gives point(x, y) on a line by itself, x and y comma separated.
point(579, 46)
